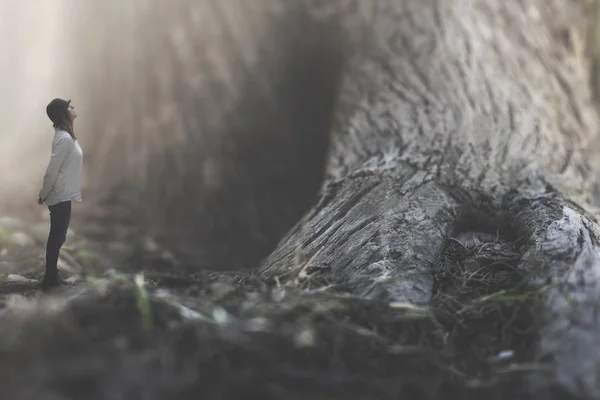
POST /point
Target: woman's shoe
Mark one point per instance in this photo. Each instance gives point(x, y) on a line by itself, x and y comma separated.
point(51, 283)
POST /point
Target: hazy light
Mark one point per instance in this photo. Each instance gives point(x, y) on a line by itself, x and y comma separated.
point(32, 73)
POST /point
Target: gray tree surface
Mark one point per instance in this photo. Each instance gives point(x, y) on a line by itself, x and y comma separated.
point(463, 117)
point(346, 151)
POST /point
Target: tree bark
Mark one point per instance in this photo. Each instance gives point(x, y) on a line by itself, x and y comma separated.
point(461, 116)
point(454, 118)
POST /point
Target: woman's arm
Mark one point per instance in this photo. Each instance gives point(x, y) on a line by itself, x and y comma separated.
point(59, 153)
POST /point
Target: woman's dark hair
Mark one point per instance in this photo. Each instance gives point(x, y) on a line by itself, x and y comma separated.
point(58, 112)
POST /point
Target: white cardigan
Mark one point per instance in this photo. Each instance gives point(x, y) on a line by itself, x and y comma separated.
point(62, 181)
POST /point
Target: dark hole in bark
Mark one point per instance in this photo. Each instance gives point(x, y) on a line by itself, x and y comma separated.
point(481, 298)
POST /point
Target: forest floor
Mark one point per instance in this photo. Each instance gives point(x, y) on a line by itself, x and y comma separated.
point(136, 324)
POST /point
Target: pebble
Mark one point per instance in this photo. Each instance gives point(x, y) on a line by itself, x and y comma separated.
point(305, 338)
point(502, 356)
point(19, 278)
point(73, 279)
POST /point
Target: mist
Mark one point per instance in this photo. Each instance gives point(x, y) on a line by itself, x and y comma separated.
point(210, 118)
point(33, 72)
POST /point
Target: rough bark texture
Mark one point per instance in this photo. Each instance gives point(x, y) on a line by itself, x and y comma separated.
point(417, 125)
point(457, 112)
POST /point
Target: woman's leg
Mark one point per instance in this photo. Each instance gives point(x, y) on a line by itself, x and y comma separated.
point(60, 217)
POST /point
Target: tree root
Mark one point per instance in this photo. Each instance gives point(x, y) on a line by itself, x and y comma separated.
point(383, 237)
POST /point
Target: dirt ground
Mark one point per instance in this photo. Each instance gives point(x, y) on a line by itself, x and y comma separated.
point(140, 323)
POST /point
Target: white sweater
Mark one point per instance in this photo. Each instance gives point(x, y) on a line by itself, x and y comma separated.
point(62, 181)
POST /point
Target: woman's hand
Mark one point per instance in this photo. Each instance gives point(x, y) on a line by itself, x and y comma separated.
point(40, 200)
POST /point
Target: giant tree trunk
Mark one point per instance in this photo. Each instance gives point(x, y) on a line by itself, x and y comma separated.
point(456, 120)
point(456, 117)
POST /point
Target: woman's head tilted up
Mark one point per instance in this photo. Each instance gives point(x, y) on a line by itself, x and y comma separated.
point(62, 114)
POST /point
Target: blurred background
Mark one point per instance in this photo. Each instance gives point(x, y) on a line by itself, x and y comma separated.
point(30, 37)
point(203, 123)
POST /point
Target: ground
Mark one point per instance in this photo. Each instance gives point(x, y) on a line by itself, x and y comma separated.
point(137, 323)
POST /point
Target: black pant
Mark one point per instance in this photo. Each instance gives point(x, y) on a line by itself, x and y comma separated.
point(60, 217)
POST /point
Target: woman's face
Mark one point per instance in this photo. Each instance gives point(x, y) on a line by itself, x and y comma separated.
point(72, 113)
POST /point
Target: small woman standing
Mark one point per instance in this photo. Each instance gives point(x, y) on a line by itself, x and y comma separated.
point(62, 184)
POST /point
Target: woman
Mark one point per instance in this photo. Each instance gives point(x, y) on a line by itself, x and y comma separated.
point(62, 184)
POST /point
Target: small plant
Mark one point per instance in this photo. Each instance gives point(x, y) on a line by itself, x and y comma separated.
point(143, 302)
